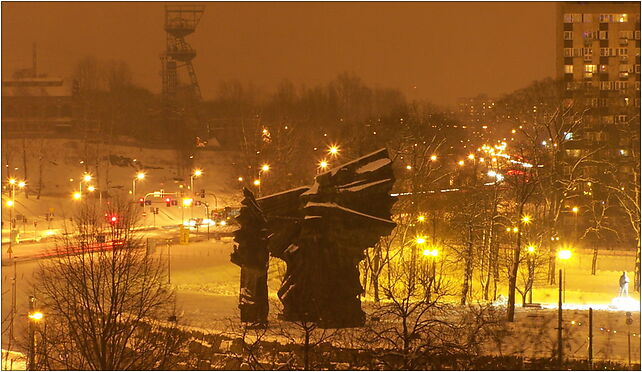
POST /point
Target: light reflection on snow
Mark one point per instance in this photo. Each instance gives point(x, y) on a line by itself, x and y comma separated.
point(617, 304)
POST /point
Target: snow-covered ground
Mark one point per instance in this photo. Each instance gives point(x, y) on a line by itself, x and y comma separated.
point(207, 283)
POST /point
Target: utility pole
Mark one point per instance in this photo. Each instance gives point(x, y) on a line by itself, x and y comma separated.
point(560, 352)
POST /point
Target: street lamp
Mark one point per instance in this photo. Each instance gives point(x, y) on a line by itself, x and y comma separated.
point(564, 255)
point(196, 173)
point(433, 158)
point(526, 219)
point(421, 218)
point(333, 150)
point(139, 177)
point(77, 195)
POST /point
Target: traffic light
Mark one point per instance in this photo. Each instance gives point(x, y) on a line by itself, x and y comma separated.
point(141, 202)
point(168, 202)
point(202, 193)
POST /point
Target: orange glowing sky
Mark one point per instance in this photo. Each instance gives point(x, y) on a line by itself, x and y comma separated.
point(433, 51)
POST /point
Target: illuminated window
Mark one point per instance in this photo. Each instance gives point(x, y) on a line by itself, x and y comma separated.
point(568, 69)
point(590, 68)
point(604, 35)
point(568, 35)
point(622, 18)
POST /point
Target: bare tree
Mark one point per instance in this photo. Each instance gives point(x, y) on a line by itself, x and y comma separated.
point(105, 299)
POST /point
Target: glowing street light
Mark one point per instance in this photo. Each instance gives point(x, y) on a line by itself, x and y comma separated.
point(187, 202)
point(91, 188)
point(86, 177)
point(409, 167)
point(240, 179)
point(265, 168)
point(333, 150)
point(22, 184)
point(36, 316)
point(433, 157)
point(575, 209)
point(12, 181)
point(257, 182)
point(421, 218)
point(461, 163)
point(77, 195)
point(196, 173)
point(323, 164)
point(531, 249)
point(564, 254)
point(9, 203)
point(471, 156)
point(431, 252)
point(139, 177)
point(515, 229)
point(526, 219)
point(420, 240)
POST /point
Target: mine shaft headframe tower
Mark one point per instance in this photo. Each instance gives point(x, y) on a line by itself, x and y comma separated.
point(180, 21)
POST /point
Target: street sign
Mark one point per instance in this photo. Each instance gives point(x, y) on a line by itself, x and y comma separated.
point(183, 235)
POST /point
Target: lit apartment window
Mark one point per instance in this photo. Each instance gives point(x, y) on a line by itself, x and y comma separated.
point(590, 68)
point(568, 35)
point(588, 52)
point(622, 18)
point(568, 69)
point(604, 35)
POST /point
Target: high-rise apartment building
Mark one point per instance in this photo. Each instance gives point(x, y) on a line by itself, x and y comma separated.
point(598, 57)
point(598, 60)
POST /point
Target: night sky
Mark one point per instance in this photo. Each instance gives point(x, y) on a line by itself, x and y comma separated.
point(433, 51)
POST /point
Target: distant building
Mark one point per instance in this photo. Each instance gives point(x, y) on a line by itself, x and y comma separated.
point(476, 115)
point(36, 105)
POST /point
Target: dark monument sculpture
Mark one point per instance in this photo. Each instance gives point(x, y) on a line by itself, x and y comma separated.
point(321, 232)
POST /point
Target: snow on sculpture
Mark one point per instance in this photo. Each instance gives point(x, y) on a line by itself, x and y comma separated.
point(321, 233)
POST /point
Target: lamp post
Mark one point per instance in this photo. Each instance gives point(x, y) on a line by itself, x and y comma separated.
point(575, 211)
point(196, 173)
point(264, 169)
point(34, 317)
point(85, 178)
point(564, 255)
point(139, 177)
